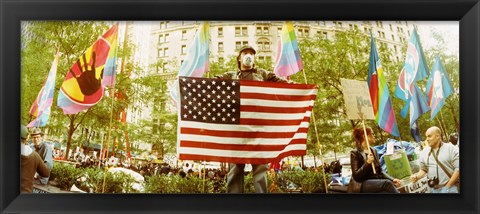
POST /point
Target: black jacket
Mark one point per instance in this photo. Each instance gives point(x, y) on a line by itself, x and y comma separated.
point(362, 171)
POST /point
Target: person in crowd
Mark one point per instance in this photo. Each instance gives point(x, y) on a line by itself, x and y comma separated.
point(453, 139)
point(247, 71)
point(440, 163)
point(44, 150)
point(30, 163)
point(364, 180)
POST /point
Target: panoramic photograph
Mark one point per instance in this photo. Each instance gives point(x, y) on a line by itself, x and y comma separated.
point(218, 107)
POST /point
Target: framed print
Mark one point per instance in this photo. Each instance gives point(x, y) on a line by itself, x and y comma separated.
point(120, 86)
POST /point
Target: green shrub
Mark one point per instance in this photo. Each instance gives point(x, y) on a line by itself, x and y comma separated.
point(306, 181)
point(65, 175)
point(161, 184)
point(177, 184)
point(91, 179)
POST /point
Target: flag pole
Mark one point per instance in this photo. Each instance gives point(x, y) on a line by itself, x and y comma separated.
point(109, 131)
point(444, 126)
point(318, 139)
point(368, 145)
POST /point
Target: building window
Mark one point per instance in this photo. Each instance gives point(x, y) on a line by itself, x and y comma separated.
point(279, 30)
point(393, 38)
point(391, 27)
point(184, 34)
point(263, 45)
point(240, 31)
point(379, 24)
point(381, 34)
point(263, 30)
point(303, 32)
point(322, 34)
point(184, 49)
point(220, 31)
point(165, 52)
point(221, 60)
point(240, 44)
point(166, 38)
point(164, 25)
point(338, 24)
point(220, 47)
point(269, 58)
point(160, 38)
point(399, 29)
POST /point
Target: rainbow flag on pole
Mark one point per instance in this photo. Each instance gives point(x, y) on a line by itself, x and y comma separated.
point(83, 84)
point(196, 61)
point(43, 103)
point(382, 104)
point(288, 60)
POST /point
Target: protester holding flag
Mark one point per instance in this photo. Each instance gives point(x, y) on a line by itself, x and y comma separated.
point(247, 71)
point(363, 178)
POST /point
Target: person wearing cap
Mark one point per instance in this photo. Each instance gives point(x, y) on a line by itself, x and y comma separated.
point(44, 150)
point(248, 71)
point(30, 163)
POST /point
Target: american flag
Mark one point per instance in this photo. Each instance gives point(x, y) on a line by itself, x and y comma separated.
point(241, 121)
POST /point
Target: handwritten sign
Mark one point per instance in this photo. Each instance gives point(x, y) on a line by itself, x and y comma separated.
point(421, 186)
point(357, 100)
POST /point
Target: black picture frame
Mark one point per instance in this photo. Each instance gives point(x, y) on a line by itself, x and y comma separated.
point(12, 12)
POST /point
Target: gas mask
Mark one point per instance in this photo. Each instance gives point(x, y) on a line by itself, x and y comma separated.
point(248, 60)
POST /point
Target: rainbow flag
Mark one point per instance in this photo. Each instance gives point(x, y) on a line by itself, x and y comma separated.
point(196, 61)
point(83, 84)
point(438, 88)
point(382, 105)
point(288, 60)
point(42, 105)
point(110, 65)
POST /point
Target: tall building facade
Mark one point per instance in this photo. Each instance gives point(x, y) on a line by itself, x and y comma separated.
point(170, 39)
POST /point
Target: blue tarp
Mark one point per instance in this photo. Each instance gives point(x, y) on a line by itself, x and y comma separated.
point(397, 145)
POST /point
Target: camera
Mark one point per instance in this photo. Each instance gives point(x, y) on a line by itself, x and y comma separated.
point(433, 181)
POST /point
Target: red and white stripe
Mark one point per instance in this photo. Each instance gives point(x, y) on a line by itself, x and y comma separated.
point(274, 120)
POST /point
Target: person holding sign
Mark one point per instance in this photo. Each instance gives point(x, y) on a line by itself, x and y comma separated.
point(364, 178)
point(440, 162)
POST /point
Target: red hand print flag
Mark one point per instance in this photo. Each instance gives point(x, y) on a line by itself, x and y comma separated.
point(82, 87)
point(241, 121)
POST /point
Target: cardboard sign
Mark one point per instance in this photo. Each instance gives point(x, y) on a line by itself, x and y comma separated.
point(357, 99)
point(421, 186)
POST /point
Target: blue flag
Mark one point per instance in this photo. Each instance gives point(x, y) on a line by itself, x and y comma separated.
point(414, 69)
point(438, 87)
